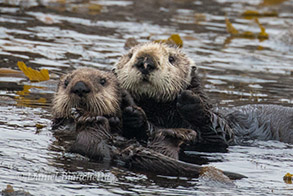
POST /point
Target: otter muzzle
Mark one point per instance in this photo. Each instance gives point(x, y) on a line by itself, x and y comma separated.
point(80, 89)
point(145, 65)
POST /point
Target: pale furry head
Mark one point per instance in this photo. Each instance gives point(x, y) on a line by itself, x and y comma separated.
point(102, 97)
point(168, 76)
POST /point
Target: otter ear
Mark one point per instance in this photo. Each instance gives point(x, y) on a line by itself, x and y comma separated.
point(130, 43)
point(194, 68)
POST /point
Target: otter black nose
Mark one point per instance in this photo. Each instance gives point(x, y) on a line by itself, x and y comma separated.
point(80, 88)
point(145, 65)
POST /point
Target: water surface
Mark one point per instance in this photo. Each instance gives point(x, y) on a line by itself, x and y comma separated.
point(61, 35)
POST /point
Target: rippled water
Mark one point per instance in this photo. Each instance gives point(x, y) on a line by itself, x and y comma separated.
point(61, 35)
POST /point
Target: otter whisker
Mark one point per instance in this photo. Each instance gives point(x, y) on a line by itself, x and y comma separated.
point(97, 107)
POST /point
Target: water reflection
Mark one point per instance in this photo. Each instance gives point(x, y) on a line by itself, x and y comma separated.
point(61, 35)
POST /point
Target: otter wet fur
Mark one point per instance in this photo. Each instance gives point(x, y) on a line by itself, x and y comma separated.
point(93, 120)
point(262, 122)
point(164, 83)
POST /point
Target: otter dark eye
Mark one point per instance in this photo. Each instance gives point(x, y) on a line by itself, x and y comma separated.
point(171, 59)
point(103, 81)
point(66, 82)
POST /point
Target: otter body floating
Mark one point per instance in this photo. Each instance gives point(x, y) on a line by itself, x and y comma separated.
point(164, 83)
point(90, 101)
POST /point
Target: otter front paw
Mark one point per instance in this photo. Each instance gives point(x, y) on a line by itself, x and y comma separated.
point(135, 123)
point(127, 100)
point(95, 119)
point(191, 107)
point(134, 117)
point(114, 121)
point(185, 135)
point(75, 113)
point(115, 124)
point(90, 120)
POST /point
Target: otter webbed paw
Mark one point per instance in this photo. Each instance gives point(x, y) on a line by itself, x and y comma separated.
point(168, 141)
point(114, 121)
point(180, 134)
point(192, 108)
point(115, 124)
point(92, 119)
point(134, 117)
point(81, 118)
point(127, 99)
point(134, 123)
point(86, 121)
point(75, 113)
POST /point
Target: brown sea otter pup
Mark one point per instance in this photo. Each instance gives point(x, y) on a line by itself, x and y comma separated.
point(88, 104)
point(164, 83)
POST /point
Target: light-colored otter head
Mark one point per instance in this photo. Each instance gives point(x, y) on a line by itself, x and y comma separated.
point(93, 91)
point(154, 70)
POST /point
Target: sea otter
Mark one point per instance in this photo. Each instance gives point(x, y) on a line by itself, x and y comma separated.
point(90, 101)
point(164, 83)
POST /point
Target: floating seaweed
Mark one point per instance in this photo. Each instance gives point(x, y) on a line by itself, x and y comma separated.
point(262, 35)
point(288, 178)
point(174, 39)
point(251, 14)
point(33, 75)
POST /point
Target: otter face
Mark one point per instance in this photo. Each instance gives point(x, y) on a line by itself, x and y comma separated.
point(93, 91)
point(154, 70)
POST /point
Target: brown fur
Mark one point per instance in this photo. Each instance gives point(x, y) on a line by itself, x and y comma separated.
point(102, 100)
point(165, 82)
point(168, 141)
point(171, 96)
point(93, 133)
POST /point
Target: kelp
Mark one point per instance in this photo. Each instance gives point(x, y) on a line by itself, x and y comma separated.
point(251, 14)
point(33, 75)
point(174, 39)
point(288, 178)
point(271, 2)
point(262, 35)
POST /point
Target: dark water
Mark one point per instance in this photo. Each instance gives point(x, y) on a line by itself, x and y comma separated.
point(61, 35)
